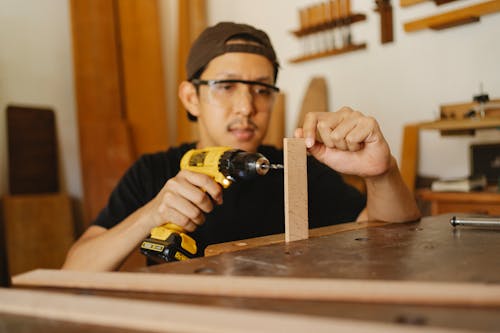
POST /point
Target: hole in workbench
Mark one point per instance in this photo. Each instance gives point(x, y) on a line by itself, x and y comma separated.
point(362, 239)
point(411, 319)
point(204, 270)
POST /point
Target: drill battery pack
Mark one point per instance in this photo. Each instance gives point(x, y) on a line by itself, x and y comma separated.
point(167, 245)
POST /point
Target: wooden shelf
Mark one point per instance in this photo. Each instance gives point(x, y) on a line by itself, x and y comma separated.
point(411, 133)
point(486, 202)
point(466, 124)
point(337, 23)
point(350, 48)
point(453, 18)
point(407, 3)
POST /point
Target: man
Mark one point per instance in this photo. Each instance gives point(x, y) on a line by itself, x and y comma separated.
point(232, 69)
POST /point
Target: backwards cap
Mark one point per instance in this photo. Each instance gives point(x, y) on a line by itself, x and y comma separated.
point(212, 43)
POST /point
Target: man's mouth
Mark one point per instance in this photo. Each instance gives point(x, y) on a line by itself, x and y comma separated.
point(242, 134)
point(242, 130)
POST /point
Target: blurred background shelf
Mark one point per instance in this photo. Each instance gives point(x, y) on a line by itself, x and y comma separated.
point(484, 202)
point(462, 124)
point(454, 18)
point(347, 49)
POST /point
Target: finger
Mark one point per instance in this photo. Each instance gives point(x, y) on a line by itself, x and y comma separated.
point(309, 128)
point(298, 133)
point(185, 224)
point(180, 210)
point(367, 130)
point(172, 215)
point(183, 195)
point(208, 184)
point(353, 145)
point(339, 135)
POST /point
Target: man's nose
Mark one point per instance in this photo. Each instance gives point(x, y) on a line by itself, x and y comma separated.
point(244, 103)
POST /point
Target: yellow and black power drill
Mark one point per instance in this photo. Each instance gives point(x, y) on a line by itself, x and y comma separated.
point(225, 165)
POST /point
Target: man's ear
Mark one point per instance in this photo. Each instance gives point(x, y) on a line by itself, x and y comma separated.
point(189, 98)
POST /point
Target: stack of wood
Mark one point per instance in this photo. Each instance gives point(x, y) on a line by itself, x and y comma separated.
point(38, 225)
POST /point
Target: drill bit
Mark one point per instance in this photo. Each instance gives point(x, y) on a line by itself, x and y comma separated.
point(268, 166)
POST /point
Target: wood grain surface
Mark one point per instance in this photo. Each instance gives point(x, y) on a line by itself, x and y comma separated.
point(96, 312)
point(192, 21)
point(142, 79)
point(244, 244)
point(296, 213)
point(344, 290)
point(429, 254)
point(461, 15)
point(39, 230)
point(32, 150)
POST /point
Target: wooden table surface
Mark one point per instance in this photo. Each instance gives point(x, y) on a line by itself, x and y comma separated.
point(428, 250)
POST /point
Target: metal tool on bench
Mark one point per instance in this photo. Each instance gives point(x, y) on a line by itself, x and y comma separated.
point(475, 221)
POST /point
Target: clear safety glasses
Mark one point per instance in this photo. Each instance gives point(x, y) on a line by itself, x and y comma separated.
point(225, 92)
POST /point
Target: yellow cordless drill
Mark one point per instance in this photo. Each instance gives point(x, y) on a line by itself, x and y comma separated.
point(225, 165)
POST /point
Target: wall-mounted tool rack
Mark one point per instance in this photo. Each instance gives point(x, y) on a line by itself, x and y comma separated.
point(325, 30)
point(469, 14)
point(384, 8)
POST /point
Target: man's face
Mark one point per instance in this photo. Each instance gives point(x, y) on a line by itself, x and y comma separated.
point(235, 114)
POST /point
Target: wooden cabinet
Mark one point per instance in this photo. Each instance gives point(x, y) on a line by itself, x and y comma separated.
point(487, 203)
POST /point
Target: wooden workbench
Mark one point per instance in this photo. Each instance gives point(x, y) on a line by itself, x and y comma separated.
point(430, 251)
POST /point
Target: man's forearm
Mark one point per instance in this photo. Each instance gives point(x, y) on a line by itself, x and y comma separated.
point(389, 199)
point(100, 249)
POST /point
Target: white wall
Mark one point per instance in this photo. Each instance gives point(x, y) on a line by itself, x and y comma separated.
point(401, 82)
point(36, 69)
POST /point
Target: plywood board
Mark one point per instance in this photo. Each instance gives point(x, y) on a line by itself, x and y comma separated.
point(106, 150)
point(100, 100)
point(244, 244)
point(39, 230)
point(296, 214)
point(143, 82)
point(96, 61)
point(33, 154)
point(192, 21)
point(149, 316)
point(346, 290)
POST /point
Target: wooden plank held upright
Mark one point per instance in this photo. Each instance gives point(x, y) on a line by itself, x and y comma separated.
point(192, 21)
point(409, 155)
point(100, 103)
point(119, 88)
point(296, 213)
point(143, 81)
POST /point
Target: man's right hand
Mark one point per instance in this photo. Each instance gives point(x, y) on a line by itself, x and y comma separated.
point(184, 200)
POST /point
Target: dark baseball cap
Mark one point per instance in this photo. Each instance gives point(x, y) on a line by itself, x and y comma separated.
point(212, 42)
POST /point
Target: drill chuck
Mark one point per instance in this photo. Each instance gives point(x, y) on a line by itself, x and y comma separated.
point(238, 164)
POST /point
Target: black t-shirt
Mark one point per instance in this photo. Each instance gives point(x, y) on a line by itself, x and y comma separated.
point(251, 208)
